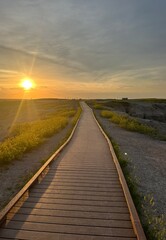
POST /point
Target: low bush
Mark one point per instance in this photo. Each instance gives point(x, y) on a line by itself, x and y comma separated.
point(98, 106)
point(128, 123)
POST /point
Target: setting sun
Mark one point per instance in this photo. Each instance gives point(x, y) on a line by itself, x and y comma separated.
point(27, 84)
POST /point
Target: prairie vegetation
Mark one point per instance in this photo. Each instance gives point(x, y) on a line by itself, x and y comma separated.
point(128, 123)
point(51, 117)
point(150, 109)
point(147, 116)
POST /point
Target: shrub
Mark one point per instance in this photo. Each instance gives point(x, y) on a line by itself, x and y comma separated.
point(128, 123)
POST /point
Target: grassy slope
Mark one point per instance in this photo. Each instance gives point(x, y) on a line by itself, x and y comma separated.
point(128, 123)
point(26, 136)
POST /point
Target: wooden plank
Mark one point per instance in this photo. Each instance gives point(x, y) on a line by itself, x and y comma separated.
point(81, 188)
point(75, 169)
point(75, 214)
point(75, 207)
point(83, 181)
point(84, 169)
point(81, 178)
point(84, 165)
point(95, 164)
point(82, 184)
point(93, 173)
point(54, 228)
point(81, 174)
point(77, 202)
point(31, 235)
point(77, 197)
point(55, 180)
point(78, 192)
point(87, 168)
point(73, 221)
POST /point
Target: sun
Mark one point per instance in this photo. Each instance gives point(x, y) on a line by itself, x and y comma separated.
point(27, 84)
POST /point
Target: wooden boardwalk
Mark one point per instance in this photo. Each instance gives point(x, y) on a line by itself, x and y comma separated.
point(80, 198)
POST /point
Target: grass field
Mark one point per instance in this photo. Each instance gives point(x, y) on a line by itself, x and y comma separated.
point(14, 112)
point(27, 124)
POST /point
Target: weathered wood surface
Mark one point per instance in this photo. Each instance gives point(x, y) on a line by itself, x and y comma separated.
point(80, 197)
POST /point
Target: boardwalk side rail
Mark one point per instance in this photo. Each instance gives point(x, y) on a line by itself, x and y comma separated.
point(24, 192)
point(137, 226)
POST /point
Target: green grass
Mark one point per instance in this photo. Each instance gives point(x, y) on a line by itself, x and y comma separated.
point(128, 123)
point(27, 136)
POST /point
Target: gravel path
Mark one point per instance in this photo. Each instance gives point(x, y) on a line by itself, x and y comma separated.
point(14, 175)
point(147, 160)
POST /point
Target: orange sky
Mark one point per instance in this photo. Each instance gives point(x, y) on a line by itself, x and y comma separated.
point(83, 49)
point(62, 89)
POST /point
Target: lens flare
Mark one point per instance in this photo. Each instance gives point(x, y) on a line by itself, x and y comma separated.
point(27, 84)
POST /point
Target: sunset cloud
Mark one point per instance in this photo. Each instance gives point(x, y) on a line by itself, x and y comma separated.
point(108, 47)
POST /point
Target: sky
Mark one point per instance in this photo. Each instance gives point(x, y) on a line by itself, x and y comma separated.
point(83, 48)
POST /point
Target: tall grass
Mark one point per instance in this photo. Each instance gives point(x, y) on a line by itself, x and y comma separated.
point(128, 123)
point(27, 136)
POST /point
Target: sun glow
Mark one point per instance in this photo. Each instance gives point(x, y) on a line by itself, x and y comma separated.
point(27, 84)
